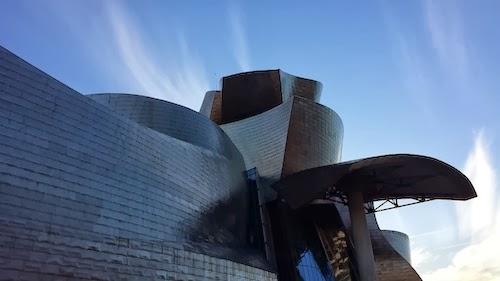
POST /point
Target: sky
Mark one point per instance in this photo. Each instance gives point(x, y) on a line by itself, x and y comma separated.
point(405, 76)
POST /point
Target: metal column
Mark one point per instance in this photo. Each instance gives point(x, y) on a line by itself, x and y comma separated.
point(361, 237)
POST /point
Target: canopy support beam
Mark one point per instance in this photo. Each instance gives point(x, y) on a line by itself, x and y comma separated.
point(361, 237)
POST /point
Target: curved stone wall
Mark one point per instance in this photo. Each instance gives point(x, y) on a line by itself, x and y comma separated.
point(88, 194)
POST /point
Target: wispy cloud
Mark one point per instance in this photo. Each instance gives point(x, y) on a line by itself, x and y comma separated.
point(434, 57)
point(478, 220)
point(445, 26)
point(417, 79)
point(239, 38)
point(478, 215)
point(182, 81)
point(411, 61)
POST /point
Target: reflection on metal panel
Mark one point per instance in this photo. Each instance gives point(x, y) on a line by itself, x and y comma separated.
point(87, 193)
point(314, 137)
point(170, 119)
point(292, 85)
point(250, 93)
point(262, 139)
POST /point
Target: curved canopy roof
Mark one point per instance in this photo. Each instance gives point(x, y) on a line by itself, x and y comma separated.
point(396, 176)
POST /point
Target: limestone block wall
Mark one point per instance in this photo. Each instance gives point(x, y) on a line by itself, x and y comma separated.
point(88, 194)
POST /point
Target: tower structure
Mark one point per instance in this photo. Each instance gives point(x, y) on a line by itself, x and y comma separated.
point(252, 187)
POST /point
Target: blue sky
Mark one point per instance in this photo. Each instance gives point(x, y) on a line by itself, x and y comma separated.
point(405, 76)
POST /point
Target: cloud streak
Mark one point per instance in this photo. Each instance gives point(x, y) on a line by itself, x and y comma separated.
point(184, 82)
point(447, 37)
point(238, 34)
point(478, 215)
point(478, 220)
point(433, 57)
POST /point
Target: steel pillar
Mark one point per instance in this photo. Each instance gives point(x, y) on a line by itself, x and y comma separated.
point(361, 237)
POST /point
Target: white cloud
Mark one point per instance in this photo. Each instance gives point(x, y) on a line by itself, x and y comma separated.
point(419, 256)
point(435, 56)
point(239, 37)
point(478, 220)
point(477, 216)
point(479, 261)
point(182, 81)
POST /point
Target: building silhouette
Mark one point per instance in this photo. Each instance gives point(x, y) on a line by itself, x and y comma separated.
point(251, 187)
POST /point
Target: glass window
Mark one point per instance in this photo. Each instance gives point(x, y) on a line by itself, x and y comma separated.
point(309, 269)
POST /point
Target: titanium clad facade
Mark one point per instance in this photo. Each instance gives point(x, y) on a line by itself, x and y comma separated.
point(297, 86)
point(211, 106)
point(400, 242)
point(391, 265)
point(127, 187)
point(262, 140)
point(88, 194)
point(314, 137)
point(170, 119)
point(390, 248)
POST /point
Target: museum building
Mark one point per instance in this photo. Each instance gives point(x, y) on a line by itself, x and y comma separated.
point(252, 187)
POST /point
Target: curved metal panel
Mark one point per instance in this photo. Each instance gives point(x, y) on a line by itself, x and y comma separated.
point(381, 177)
point(314, 137)
point(212, 106)
point(389, 263)
point(170, 119)
point(87, 193)
point(251, 93)
point(400, 242)
point(262, 140)
point(292, 85)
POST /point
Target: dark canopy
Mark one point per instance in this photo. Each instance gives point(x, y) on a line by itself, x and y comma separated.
point(378, 178)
